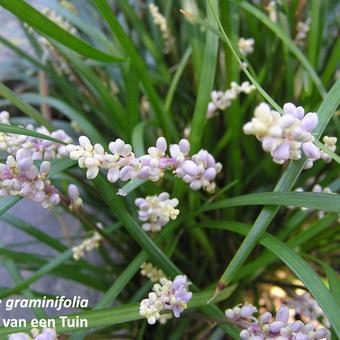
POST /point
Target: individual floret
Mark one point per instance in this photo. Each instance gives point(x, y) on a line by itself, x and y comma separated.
point(75, 200)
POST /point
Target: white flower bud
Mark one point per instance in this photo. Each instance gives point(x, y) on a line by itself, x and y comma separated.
point(92, 173)
point(45, 168)
point(73, 191)
point(84, 142)
point(161, 144)
point(282, 314)
point(265, 317)
point(247, 311)
point(229, 313)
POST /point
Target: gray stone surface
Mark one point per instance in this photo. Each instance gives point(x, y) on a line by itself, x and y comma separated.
point(53, 222)
point(57, 224)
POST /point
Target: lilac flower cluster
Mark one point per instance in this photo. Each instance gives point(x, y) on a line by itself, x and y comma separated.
point(265, 327)
point(46, 334)
point(156, 211)
point(199, 171)
point(220, 100)
point(166, 295)
point(289, 135)
point(20, 176)
point(35, 148)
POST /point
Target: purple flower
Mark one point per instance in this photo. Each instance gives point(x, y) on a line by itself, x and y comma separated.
point(311, 150)
point(282, 314)
point(281, 153)
point(309, 121)
point(287, 136)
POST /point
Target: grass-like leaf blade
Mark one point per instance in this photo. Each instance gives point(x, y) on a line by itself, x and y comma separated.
point(35, 19)
point(312, 200)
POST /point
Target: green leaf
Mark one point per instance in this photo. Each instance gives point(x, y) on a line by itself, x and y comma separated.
point(257, 266)
point(22, 131)
point(312, 200)
point(329, 152)
point(34, 232)
point(137, 139)
point(90, 30)
point(123, 279)
point(132, 185)
point(132, 101)
point(176, 78)
point(59, 165)
point(42, 24)
point(114, 115)
point(15, 274)
point(140, 25)
point(313, 34)
point(238, 57)
point(333, 281)
point(70, 113)
point(24, 107)
point(53, 264)
point(33, 262)
point(252, 10)
point(22, 54)
point(7, 203)
point(206, 82)
point(140, 67)
point(332, 62)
